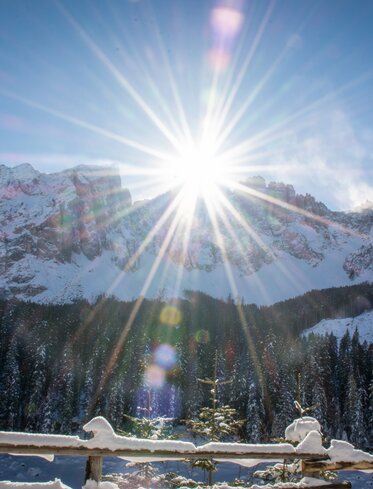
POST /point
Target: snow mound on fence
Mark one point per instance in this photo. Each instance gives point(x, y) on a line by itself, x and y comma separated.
point(105, 437)
point(90, 484)
point(311, 444)
point(304, 430)
point(342, 451)
point(286, 448)
point(56, 484)
point(299, 428)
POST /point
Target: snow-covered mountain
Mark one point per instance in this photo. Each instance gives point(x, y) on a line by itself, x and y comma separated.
point(363, 323)
point(77, 234)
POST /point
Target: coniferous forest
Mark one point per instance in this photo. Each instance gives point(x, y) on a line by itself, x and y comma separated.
point(63, 364)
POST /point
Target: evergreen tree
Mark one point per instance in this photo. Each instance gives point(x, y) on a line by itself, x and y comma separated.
point(214, 423)
point(65, 395)
point(86, 393)
point(283, 410)
point(116, 403)
point(37, 389)
point(331, 387)
point(370, 416)
point(354, 413)
point(10, 390)
point(148, 428)
point(254, 413)
point(48, 416)
point(344, 365)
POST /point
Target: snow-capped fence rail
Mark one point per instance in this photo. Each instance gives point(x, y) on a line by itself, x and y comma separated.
point(105, 442)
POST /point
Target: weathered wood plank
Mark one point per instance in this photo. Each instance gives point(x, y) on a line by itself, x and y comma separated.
point(317, 466)
point(83, 451)
point(335, 485)
point(330, 485)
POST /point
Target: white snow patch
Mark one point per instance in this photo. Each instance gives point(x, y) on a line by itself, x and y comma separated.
point(39, 440)
point(90, 484)
point(342, 451)
point(104, 437)
point(311, 444)
point(247, 448)
point(247, 462)
point(306, 482)
point(363, 323)
point(299, 428)
point(56, 484)
point(45, 456)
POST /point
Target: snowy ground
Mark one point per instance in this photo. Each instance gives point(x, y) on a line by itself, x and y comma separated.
point(71, 471)
point(363, 323)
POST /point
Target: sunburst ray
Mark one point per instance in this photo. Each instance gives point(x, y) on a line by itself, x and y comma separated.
point(122, 80)
point(244, 324)
point(123, 336)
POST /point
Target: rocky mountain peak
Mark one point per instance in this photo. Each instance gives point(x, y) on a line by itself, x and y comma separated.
point(20, 173)
point(76, 233)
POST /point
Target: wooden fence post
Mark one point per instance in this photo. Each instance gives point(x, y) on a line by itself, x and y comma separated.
point(93, 468)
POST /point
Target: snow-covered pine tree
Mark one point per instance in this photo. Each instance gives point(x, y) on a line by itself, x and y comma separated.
point(47, 412)
point(238, 388)
point(215, 423)
point(148, 428)
point(370, 416)
point(254, 413)
point(344, 366)
point(284, 408)
point(10, 389)
point(151, 428)
point(354, 413)
point(65, 404)
point(86, 393)
point(277, 397)
point(116, 403)
point(331, 387)
point(37, 389)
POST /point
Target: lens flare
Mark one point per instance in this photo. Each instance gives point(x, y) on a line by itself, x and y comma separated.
point(219, 58)
point(202, 336)
point(226, 22)
point(165, 356)
point(170, 316)
point(154, 377)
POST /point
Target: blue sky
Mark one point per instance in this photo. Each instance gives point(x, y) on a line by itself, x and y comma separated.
point(104, 81)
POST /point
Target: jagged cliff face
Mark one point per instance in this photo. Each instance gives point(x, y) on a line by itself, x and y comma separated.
point(77, 234)
point(51, 218)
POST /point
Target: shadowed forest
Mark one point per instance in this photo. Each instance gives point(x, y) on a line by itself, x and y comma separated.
point(63, 364)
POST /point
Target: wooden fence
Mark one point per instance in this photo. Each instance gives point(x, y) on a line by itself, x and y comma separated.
point(311, 464)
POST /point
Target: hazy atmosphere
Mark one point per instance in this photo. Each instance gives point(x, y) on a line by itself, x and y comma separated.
point(186, 244)
point(285, 87)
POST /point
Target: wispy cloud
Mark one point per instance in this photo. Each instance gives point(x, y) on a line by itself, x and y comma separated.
point(326, 156)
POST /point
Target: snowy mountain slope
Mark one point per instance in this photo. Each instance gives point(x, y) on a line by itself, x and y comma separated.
point(76, 234)
point(363, 323)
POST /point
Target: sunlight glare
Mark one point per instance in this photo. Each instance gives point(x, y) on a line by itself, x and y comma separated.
point(199, 172)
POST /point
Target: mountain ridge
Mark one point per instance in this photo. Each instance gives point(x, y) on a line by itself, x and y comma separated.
point(77, 234)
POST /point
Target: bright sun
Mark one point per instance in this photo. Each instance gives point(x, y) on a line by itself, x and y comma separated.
point(199, 172)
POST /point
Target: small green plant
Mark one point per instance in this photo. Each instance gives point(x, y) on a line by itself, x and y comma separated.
point(150, 428)
point(145, 473)
point(215, 423)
